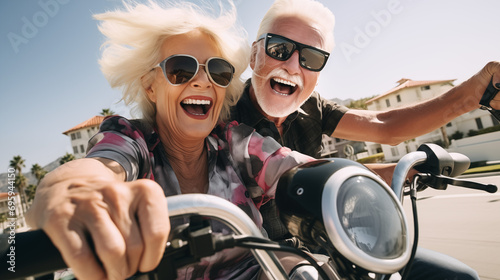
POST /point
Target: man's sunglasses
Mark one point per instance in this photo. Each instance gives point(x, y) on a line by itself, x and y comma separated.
point(282, 48)
point(182, 68)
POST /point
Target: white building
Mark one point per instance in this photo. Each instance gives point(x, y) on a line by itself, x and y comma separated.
point(5, 212)
point(336, 147)
point(410, 92)
point(328, 145)
point(81, 134)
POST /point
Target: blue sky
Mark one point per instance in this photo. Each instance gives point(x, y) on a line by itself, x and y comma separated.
point(50, 80)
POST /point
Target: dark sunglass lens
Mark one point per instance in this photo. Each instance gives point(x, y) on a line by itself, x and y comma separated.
point(221, 71)
point(279, 48)
point(180, 69)
point(312, 59)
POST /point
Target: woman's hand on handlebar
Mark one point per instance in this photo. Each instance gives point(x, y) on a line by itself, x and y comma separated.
point(104, 228)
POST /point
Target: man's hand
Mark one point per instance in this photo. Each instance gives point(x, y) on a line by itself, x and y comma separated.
point(104, 228)
point(490, 72)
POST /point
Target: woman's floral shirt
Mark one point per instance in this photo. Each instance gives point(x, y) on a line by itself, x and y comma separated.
point(244, 168)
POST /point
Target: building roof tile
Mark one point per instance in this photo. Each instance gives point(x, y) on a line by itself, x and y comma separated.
point(94, 121)
point(408, 83)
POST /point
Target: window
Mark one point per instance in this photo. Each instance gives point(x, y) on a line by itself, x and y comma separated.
point(449, 124)
point(388, 103)
point(82, 149)
point(398, 97)
point(495, 121)
point(78, 135)
point(479, 123)
point(75, 150)
point(394, 151)
point(425, 88)
point(73, 136)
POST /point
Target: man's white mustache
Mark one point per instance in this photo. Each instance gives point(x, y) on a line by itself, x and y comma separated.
point(283, 74)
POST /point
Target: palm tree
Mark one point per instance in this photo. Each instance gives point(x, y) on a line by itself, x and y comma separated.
point(20, 183)
point(107, 112)
point(17, 163)
point(38, 172)
point(30, 192)
point(67, 157)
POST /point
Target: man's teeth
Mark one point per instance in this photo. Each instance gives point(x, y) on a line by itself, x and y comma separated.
point(281, 81)
point(196, 102)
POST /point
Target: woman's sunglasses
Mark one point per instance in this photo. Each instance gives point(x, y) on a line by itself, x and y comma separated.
point(182, 68)
point(282, 48)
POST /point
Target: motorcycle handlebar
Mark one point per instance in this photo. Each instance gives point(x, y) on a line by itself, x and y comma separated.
point(405, 164)
point(434, 161)
point(32, 253)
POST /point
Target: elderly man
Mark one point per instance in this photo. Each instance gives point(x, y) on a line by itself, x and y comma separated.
point(293, 45)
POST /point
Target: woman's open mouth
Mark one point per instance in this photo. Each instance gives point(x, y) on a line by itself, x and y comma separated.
point(197, 107)
point(283, 87)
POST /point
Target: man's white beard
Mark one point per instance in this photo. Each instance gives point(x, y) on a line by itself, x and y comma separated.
point(274, 110)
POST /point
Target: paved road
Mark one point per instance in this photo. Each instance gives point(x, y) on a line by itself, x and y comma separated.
point(462, 223)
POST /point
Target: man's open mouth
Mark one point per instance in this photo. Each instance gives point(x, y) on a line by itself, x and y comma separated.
point(197, 107)
point(283, 87)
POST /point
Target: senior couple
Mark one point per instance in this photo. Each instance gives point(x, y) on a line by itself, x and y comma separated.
point(203, 130)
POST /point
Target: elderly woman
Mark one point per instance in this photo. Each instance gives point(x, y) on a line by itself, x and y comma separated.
point(182, 68)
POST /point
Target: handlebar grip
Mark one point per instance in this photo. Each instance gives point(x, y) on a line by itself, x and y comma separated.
point(28, 253)
point(460, 164)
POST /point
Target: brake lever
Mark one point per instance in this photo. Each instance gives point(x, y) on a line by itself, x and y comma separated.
point(469, 184)
point(488, 95)
point(440, 182)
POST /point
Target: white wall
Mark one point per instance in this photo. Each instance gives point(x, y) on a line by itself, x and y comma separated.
point(484, 147)
point(85, 135)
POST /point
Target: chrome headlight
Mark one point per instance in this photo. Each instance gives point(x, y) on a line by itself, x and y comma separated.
point(349, 206)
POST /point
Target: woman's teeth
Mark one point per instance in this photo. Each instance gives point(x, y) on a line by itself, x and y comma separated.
point(198, 107)
point(195, 102)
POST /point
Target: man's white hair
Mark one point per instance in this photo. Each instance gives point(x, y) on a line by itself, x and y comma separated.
point(310, 11)
point(134, 37)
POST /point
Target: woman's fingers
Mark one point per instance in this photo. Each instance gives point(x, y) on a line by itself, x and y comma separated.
point(121, 208)
point(133, 227)
point(139, 223)
point(152, 214)
point(71, 241)
point(110, 230)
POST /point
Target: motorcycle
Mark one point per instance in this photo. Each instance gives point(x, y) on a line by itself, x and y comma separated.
point(337, 205)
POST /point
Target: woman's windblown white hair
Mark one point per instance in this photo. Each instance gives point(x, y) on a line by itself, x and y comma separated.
point(135, 36)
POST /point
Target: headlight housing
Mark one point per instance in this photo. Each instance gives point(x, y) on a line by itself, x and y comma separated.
point(349, 207)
